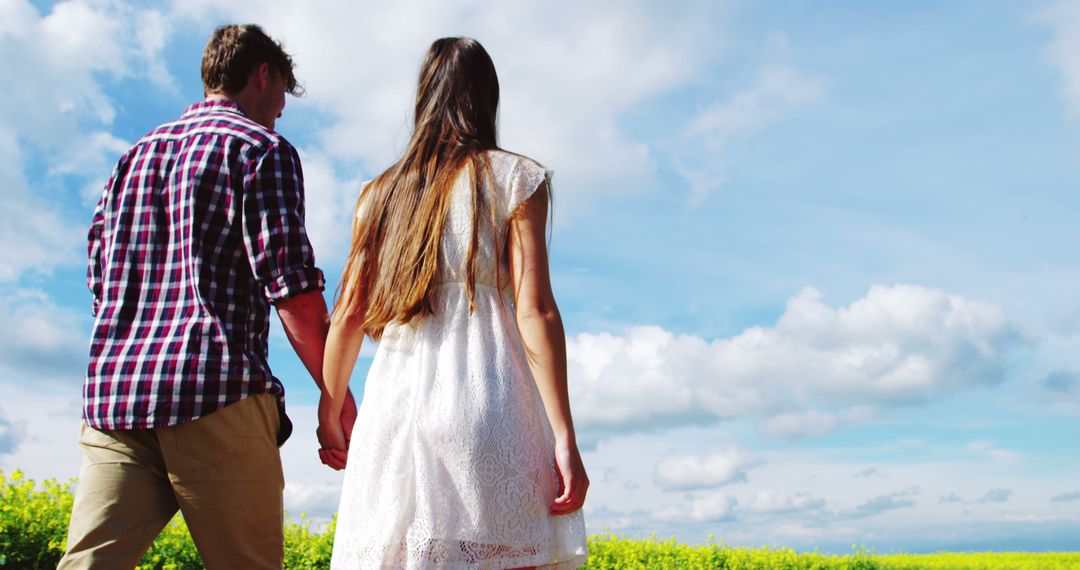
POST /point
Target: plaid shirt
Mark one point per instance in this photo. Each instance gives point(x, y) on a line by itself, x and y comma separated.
point(199, 229)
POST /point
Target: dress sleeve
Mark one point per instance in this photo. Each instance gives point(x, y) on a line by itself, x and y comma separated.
point(525, 178)
point(275, 237)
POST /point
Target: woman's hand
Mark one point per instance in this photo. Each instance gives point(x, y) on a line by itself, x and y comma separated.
point(333, 441)
point(573, 482)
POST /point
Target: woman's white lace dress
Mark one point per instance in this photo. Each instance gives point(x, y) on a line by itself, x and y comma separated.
point(451, 463)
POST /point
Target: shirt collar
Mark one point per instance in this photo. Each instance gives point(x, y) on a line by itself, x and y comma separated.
point(213, 106)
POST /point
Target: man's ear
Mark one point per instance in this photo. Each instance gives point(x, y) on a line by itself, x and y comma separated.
point(262, 76)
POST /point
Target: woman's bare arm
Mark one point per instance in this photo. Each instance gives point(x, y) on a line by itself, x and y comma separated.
point(343, 343)
point(541, 328)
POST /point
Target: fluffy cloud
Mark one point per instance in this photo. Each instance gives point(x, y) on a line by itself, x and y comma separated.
point(55, 64)
point(883, 503)
point(779, 90)
point(811, 423)
point(686, 472)
point(1061, 381)
point(35, 235)
point(568, 72)
point(998, 495)
point(56, 115)
point(1063, 17)
point(711, 507)
point(330, 203)
point(321, 499)
point(898, 345)
point(987, 449)
point(50, 344)
point(773, 502)
point(12, 433)
point(1066, 497)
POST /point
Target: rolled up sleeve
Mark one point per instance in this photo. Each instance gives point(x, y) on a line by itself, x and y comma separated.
point(275, 237)
point(93, 248)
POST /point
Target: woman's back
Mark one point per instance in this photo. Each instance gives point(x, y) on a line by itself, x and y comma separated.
point(513, 178)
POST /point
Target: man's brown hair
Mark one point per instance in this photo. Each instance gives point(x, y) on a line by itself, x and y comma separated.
point(235, 51)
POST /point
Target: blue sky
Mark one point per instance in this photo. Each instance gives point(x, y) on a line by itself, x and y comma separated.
point(816, 261)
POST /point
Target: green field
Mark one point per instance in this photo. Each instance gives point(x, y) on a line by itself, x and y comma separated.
point(33, 525)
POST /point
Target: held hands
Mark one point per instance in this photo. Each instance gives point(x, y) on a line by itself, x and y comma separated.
point(573, 482)
point(335, 429)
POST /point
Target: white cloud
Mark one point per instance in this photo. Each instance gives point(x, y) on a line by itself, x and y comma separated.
point(882, 503)
point(813, 423)
point(779, 90)
point(319, 498)
point(56, 115)
point(998, 495)
point(773, 502)
point(1061, 382)
point(12, 433)
point(51, 343)
point(986, 448)
point(34, 234)
point(711, 507)
point(868, 472)
point(950, 498)
point(330, 204)
point(1066, 497)
point(802, 477)
point(1063, 17)
point(703, 471)
point(568, 73)
point(54, 65)
point(48, 416)
point(898, 345)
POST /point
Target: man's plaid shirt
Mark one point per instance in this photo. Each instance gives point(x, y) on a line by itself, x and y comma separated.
point(199, 229)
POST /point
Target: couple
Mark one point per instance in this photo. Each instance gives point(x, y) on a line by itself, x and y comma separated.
point(462, 453)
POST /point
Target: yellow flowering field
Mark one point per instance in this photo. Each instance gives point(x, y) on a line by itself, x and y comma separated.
point(33, 526)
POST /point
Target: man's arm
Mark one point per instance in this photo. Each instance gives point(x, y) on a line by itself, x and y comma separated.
point(282, 259)
point(305, 320)
point(306, 324)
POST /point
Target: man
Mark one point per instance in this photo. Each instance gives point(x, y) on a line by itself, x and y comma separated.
point(199, 230)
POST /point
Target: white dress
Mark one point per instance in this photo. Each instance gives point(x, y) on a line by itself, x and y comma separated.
point(451, 463)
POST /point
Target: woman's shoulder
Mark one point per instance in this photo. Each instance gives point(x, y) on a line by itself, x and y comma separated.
point(505, 161)
point(517, 176)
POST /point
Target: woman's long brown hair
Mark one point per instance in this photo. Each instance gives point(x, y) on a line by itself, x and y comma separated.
point(392, 265)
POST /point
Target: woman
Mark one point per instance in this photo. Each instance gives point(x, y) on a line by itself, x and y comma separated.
point(464, 453)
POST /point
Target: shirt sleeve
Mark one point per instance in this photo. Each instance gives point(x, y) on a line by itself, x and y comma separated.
point(93, 248)
point(275, 238)
point(95, 238)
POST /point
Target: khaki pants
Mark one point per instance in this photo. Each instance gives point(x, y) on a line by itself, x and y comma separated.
point(223, 471)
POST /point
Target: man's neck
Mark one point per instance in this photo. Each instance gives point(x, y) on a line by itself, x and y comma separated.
point(245, 99)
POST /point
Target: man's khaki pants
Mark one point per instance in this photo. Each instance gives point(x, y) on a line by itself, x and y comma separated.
point(223, 471)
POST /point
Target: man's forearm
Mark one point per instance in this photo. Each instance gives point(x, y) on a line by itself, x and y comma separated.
point(306, 323)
